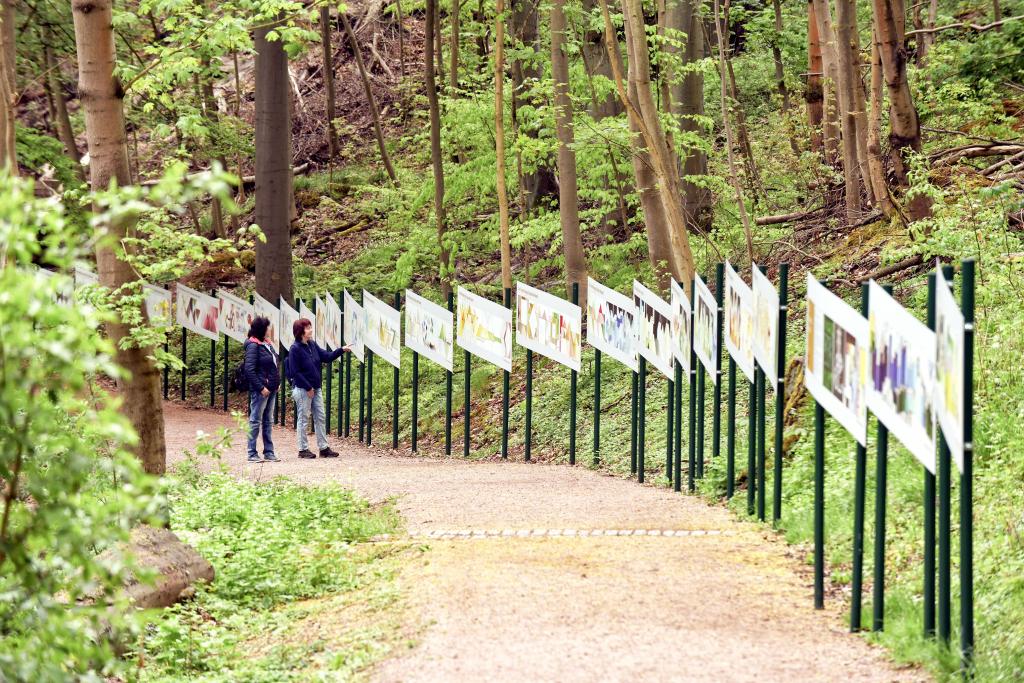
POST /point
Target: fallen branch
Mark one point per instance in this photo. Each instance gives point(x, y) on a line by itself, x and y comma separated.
point(785, 217)
point(978, 151)
point(999, 164)
point(905, 264)
point(977, 28)
point(246, 180)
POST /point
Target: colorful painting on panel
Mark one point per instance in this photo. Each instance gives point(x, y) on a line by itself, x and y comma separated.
point(235, 316)
point(289, 316)
point(705, 328)
point(739, 322)
point(382, 326)
point(158, 305)
point(262, 307)
point(549, 325)
point(484, 328)
point(304, 312)
point(611, 326)
point(682, 321)
point(766, 324)
point(429, 329)
point(949, 368)
point(354, 326)
point(198, 312)
point(654, 329)
point(332, 322)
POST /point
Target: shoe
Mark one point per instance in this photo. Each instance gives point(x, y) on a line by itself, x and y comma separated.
point(306, 453)
point(255, 458)
point(271, 458)
point(328, 453)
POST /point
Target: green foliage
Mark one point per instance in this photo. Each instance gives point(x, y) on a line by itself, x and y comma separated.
point(275, 547)
point(72, 489)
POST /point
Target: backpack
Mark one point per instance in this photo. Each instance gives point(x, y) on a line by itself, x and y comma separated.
point(239, 381)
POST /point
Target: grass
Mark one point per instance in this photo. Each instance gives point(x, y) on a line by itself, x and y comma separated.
point(299, 592)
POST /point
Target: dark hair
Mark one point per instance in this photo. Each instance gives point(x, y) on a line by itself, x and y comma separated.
point(299, 326)
point(258, 327)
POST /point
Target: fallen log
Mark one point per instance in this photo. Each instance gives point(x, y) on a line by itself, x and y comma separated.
point(893, 269)
point(978, 151)
point(785, 217)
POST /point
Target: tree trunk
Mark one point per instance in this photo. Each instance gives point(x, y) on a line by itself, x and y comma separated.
point(595, 56)
point(273, 168)
point(401, 38)
point(829, 59)
point(904, 127)
point(876, 159)
point(438, 43)
point(687, 102)
point(499, 143)
point(370, 99)
point(328, 71)
point(814, 96)
point(435, 148)
point(8, 88)
point(568, 200)
point(780, 75)
point(101, 95)
point(724, 99)
point(454, 47)
point(848, 69)
point(60, 104)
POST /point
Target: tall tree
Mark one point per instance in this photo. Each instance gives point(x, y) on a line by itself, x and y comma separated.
point(55, 86)
point(434, 111)
point(568, 199)
point(499, 144)
point(453, 48)
point(328, 72)
point(273, 166)
point(101, 95)
point(814, 95)
point(904, 126)
point(8, 88)
point(526, 71)
point(847, 71)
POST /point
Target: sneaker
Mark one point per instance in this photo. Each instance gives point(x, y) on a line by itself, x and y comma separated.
point(270, 457)
point(328, 453)
point(306, 453)
point(254, 458)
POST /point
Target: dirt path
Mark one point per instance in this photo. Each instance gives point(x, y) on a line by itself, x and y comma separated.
point(553, 573)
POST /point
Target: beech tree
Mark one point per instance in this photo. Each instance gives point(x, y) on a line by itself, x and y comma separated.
point(101, 95)
point(8, 88)
point(434, 112)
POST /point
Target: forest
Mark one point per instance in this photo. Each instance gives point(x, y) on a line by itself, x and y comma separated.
point(288, 149)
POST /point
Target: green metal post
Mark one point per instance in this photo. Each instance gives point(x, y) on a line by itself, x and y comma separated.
point(928, 589)
point(780, 392)
point(730, 433)
point(944, 625)
point(881, 489)
point(369, 397)
point(394, 383)
point(505, 392)
point(716, 416)
point(691, 462)
point(573, 378)
point(448, 375)
point(632, 423)
point(348, 394)
point(859, 486)
point(184, 362)
point(641, 426)
point(466, 374)
point(213, 364)
point(529, 405)
point(362, 399)
point(966, 481)
point(751, 448)
point(224, 377)
point(759, 381)
point(597, 407)
point(668, 431)
point(819, 506)
point(700, 422)
point(415, 397)
point(677, 461)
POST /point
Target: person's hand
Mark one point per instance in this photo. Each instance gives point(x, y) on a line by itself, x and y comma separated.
point(309, 392)
point(265, 392)
point(347, 348)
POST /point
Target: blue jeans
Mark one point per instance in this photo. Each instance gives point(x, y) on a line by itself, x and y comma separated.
point(261, 413)
point(304, 405)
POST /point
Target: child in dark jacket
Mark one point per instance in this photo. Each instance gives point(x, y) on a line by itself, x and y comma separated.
point(261, 376)
point(304, 360)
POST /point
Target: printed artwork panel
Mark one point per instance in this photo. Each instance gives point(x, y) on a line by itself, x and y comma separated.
point(198, 312)
point(158, 305)
point(235, 316)
point(654, 329)
point(739, 322)
point(549, 325)
point(289, 316)
point(304, 312)
point(320, 323)
point(901, 380)
point(949, 368)
point(766, 323)
point(611, 326)
point(332, 323)
point(382, 326)
point(484, 328)
point(429, 329)
point(265, 309)
point(705, 328)
point(682, 321)
point(354, 326)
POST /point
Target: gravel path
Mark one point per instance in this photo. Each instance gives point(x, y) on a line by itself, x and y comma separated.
point(525, 581)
